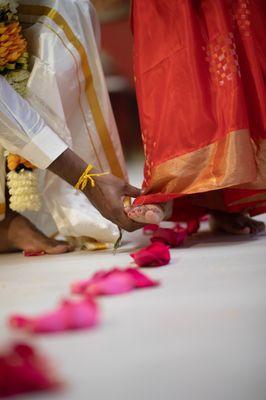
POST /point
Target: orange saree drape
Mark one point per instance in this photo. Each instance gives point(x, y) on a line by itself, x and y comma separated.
point(200, 79)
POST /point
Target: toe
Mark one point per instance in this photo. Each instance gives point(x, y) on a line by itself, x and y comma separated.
point(137, 214)
point(261, 227)
point(140, 211)
point(58, 247)
point(152, 217)
point(237, 224)
point(240, 226)
point(154, 214)
point(146, 214)
point(243, 231)
point(257, 226)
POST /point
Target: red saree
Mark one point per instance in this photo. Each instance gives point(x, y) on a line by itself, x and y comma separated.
point(200, 75)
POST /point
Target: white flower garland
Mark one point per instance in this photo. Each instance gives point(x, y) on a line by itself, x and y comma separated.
point(21, 180)
point(12, 4)
point(23, 190)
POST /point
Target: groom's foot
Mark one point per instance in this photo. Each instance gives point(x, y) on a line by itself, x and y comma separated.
point(237, 224)
point(150, 213)
point(17, 233)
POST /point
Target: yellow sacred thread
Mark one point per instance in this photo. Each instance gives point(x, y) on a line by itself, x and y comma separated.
point(86, 176)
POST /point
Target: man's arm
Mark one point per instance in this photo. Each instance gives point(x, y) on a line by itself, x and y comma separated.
point(24, 132)
point(108, 193)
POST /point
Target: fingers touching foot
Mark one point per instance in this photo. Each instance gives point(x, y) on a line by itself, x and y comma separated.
point(146, 214)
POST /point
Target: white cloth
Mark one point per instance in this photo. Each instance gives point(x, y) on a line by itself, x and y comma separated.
point(24, 132)
point(67, 88)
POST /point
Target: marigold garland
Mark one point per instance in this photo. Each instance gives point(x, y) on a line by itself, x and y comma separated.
point(14, 66)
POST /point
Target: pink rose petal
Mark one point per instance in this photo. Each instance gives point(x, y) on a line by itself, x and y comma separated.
point(178, 228)
point(205, 218)
point(149, 229)
point(115, 281)
point(141, 280)
point(155, 255)
point(70, 315)
point(192, 227)
point(111, 282)
point(23, 370)
point(169, 237)
point(29, 253)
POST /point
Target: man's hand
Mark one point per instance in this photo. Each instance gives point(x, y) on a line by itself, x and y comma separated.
point(107, 196)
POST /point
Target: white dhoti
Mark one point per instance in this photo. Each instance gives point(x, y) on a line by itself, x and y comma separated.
point(67, 88)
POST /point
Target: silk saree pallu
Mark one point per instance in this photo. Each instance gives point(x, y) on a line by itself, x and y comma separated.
point(67, 88)
point(200, 80)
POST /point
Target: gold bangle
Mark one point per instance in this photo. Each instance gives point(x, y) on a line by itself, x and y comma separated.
point(86, 177)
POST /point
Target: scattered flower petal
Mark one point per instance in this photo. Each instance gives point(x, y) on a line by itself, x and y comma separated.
point(149, 229)
point(192, 227)
point(179, 228)
point(169, 236)
point(141, 280)
point(33, 253)
point(155, 255)
point(115, 281)
point(70, 315)
point(23, 370)
point(104, 283)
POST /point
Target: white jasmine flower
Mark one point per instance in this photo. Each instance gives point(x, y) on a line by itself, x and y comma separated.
point(13, 5)
point(23, 190)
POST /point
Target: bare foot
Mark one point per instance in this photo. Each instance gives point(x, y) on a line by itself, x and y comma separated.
point(236, 224)
point(150, 213)
point(17, 233)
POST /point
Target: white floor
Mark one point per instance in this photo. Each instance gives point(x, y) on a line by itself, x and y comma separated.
point(201, 335)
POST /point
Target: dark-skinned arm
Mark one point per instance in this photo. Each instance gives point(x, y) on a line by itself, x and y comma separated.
point(108, 193)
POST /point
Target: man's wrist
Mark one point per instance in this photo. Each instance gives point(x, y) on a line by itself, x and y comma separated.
point(68, 166)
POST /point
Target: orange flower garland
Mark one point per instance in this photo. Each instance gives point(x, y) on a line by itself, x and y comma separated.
point(13, 162)
point(12, 44)
point(21, 181)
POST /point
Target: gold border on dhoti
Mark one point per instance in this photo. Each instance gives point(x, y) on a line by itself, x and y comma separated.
point(2, 208)
point(38, 10)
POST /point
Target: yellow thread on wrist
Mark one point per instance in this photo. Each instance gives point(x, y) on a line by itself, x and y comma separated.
point(87, 177)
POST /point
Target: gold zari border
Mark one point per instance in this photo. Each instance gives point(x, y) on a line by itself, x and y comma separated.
point(38, 10)
point(234, 161)
point(259, 197)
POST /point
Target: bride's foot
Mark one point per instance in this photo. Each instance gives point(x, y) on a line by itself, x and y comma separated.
point(17, 233)
point(237, 224)
point(150, 213)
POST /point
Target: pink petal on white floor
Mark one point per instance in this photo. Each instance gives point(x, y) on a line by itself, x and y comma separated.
point(155, 255)
point(141, 280)
point(114, 281)
point(70, 315)
point(23, 370)
point(169, 237)
point(192, 227)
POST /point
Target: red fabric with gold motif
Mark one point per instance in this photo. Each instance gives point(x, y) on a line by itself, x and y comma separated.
point(200, 79)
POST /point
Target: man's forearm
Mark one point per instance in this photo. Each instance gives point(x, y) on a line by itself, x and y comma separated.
point(68, 166)
point(106, 196)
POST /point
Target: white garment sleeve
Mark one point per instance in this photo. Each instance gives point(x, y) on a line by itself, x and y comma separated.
point(24, 132)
